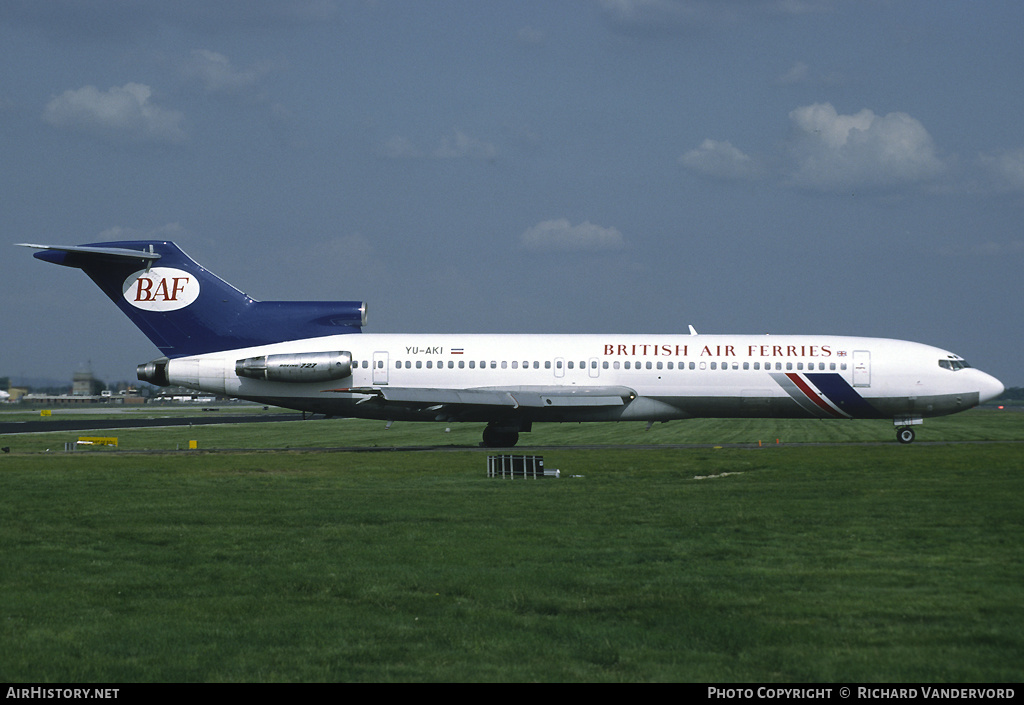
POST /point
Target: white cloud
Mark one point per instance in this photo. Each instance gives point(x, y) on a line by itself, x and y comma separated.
point(399, 147)
point(1004, 171)
point(174, 232)
point(462, 146)
point(988, 248)
point(802, 74)
point(125, 112)
point(664, 16)
point(217, 74)
point(720, 160)
point(838, 152)
point(797, 73)
point(531, 35)
point(833, 152)
point(563, 236)
point(457, 146)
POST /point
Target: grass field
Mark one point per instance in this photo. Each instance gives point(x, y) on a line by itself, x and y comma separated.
point(791, 562)
point(974, 425)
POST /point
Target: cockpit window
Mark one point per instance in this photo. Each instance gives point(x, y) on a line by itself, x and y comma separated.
point(953, 364)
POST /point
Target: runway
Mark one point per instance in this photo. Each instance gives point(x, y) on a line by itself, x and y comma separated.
point(56, 424)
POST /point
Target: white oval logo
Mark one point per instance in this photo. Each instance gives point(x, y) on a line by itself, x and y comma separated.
point(161, 289)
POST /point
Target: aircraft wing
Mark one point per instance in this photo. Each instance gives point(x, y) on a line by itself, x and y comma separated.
point(509, 398)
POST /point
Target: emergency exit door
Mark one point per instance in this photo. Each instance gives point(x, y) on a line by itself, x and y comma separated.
point(380, 368)
point(861, 368)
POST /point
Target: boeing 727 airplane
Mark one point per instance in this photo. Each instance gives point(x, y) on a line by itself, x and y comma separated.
point(312, 356)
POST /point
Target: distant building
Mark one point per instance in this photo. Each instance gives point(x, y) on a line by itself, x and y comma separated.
point(85, 385)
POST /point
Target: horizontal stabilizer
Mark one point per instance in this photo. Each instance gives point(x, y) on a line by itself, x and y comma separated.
point(58, 253)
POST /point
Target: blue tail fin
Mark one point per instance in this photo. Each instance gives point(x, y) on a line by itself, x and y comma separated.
point(186, 310)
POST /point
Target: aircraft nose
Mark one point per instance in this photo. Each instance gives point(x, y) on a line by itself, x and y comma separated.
point(990, 388)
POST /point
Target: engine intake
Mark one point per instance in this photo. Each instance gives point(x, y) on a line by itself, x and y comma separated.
point(296, 367)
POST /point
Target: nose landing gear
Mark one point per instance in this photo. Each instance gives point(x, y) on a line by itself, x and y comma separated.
point(904, 427)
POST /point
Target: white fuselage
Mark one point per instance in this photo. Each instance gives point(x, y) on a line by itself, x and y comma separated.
point(665, 377)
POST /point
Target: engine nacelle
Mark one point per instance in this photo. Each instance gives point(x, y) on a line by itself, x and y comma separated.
point(296, 367)
point(154, 372)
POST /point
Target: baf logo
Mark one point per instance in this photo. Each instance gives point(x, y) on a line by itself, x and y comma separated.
point(161, 289)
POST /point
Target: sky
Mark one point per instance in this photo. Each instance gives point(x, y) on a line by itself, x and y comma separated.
point(530, 166)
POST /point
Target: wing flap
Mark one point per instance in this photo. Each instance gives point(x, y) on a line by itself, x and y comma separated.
point(414, 395)
point(566, 397)
point(512, 397)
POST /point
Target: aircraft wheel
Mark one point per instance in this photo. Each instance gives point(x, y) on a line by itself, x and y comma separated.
point(905, 435)
point(498, 438)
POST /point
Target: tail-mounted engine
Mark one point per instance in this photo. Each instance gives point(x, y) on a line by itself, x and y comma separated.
point(296, 367)
point(154, 372)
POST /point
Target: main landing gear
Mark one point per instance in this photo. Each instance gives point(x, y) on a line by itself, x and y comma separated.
point(905, 434)
point(503, 435)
